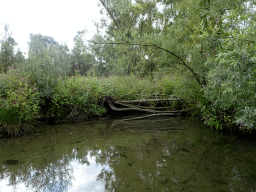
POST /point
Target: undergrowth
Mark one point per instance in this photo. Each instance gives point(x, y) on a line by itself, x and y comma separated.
point(18, 103)
point(23, 101)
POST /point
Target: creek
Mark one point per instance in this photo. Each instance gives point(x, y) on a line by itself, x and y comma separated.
point(152, 154)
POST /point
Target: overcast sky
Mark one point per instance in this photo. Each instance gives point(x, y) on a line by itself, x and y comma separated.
point(60, 19)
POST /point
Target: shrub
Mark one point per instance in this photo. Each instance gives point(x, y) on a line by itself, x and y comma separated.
point(231, 88)
point(18, 102)
point(76, 95)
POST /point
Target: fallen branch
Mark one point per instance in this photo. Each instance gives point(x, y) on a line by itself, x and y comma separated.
point(143, 107)
point(110, 103)
point(151, 96)
point(152, 100)
point(157, 129)
point(146, 116)
point(147, 107)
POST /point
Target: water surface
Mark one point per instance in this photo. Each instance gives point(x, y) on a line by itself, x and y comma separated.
point(154, 154)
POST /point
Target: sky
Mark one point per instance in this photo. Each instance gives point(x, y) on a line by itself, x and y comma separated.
point(60, 19)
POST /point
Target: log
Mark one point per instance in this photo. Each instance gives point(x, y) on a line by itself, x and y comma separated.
point(152, 100)
point(146, 116)
point(145, 107)
point(110, 103)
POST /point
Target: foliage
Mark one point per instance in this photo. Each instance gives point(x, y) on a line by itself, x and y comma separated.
point(81, 95)
point(206, 44)
point(18, 60)
point(81, 59)
point(47, 61)
point(232, 80)
point(74, 96)
point(131, 87)
point(128, 87)
point(7, 44)
point(200, 49)
point(104, 58)
point(18, 104)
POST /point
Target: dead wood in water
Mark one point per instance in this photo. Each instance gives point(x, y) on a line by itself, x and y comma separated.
point(155, 108)
point(143, 107)
point(109, 102)
point(152, 100)
point(146, 116)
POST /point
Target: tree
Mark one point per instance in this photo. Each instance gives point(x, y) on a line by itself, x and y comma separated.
point(208, 42)
point(81, 59)
point(47, 52)
point(127, 58)
point(19, 59)
point(47, 61)
point(105, 57)
point(231, 78)
point(7, 49)
point(187, 31)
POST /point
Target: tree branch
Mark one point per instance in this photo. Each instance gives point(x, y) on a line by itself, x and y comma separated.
point(158, 47)
point(109, 12)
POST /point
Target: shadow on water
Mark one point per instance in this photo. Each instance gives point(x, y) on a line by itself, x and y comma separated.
point(151, 154)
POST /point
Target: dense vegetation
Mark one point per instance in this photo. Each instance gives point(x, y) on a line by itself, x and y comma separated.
point(202, 49)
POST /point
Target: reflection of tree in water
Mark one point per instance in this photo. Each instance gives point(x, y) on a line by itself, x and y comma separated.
point(132, 167)
point(177, 163)
point(242, 173)
point(134, 162)
point(54, 176)
point(109, 177)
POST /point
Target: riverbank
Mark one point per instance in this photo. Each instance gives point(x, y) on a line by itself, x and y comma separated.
point(24, 101)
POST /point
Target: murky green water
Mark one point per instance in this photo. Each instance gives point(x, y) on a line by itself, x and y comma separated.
point(164, 154)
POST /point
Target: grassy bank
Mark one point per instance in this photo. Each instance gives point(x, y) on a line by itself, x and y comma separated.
point(23, 99)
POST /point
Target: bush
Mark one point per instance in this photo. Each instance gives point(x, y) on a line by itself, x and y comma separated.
point(231, 88)
point(76, 95)
point(18, 104)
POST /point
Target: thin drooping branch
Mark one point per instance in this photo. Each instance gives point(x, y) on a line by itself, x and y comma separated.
point(163, 49)
point(110, 13)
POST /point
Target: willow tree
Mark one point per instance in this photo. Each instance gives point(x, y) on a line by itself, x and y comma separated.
point(126, 58)
point(231, 78)
point(207, 42)
point(171, 34)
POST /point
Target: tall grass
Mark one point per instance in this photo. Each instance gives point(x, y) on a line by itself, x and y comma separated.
point(78, 94)
point(22, 101)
